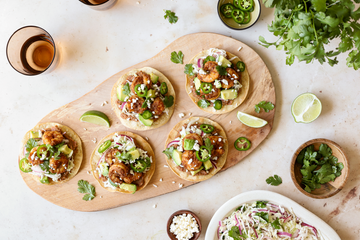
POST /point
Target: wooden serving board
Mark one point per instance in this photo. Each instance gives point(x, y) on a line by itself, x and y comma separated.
point(261, 88)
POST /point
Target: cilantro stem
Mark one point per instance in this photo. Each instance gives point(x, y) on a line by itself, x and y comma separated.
point(305, 6)
point(313, 18)
point(332, 4)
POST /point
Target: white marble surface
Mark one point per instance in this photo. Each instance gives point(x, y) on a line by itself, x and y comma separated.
point(135, 32)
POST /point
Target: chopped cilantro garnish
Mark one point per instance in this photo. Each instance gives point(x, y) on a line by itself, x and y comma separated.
point(86, 187)
point(177, 57)
point(275, 180)
point(267, 106)
point(170, 16)
point(189, 69)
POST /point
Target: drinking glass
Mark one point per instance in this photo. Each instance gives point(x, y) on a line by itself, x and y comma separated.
point(31, 51)
point(99, 4)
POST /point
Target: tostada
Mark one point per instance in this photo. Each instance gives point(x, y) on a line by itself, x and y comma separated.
point(143, 99)
point(196, 149)
point(217, 81)
point(123, 162)
point(51, 153)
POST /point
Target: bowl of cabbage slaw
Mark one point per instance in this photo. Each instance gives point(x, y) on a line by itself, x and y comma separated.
point(260, 214)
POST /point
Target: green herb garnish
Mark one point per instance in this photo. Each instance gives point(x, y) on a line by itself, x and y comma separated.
point(177, 57)
point(261, 204)
point(126, 89)
point(276, 224)
point(275, 180)
point(209, 58)
point(168, 152)
point(235, 233)
point(170, 16)
point(311, 160)
point(30, 144)
point(221, 70)
point(86, 187)
point(263, 215)
point(305, 27)
point(267, 106)
point(189, 69)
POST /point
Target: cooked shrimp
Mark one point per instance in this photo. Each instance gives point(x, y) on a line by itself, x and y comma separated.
point(230, 77)
point(133, 177)
point(60, 165)
point(134, 104)
point(110, 156)
point(52, 137)
point(190, 161)
point(157, 107)
point(142, 78)
point(218, 144)
point(214, 94)
point(193, 136)
point(33, 158)
point(213, 74)
point(118, 172)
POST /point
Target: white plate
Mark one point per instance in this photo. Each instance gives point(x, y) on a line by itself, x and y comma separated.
point(249, 197)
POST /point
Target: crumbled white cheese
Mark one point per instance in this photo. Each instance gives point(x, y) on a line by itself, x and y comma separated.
point(196, 147)
point(173, 182)
point(154, 185)
point(181, 185)
point(154, 206)
point(181, 115)
point(160, 179)
point(184, 226)
point(166, 166)
point(225, 82)
point(230, 121)
point(239, 48)
point(85, 129)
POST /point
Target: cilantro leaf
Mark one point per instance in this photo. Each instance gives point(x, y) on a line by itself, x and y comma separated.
point(170, 16)
point(203, 103)
point(267, 106)
point(189, 69)
point(177, 57)
point(168, 101)
point(126, 89)
point(325, 150)
point(123, 157)
point(263, 215)
point(275, 180)
point(30, 144)
point(168, 152)
point(221, 70)
point(305, 29)
point(261, 204)
point(144, 105)
point(235, 233)
point(276, 224)
point(208, 58)
point(86, 187)
point(208, 144)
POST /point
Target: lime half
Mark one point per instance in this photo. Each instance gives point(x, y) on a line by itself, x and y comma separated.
point(306, 108)
point(96, 117)
point(250, 120)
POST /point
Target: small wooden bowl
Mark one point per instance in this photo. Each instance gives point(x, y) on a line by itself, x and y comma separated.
point(328, 189)
point(180, 212)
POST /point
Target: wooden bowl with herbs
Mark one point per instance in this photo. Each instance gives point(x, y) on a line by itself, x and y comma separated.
point(319, 168)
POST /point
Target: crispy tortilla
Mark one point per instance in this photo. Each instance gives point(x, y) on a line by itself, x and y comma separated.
point(219, 163)
point(245, 82)
point(141, 143)
point(78, 153)
point(164, 118)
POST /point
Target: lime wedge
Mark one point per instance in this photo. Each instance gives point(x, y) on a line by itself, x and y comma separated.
point(251, 121)
point(96, 117)
point(306, 108)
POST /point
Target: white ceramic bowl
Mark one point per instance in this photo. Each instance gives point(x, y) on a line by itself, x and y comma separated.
point(249, 197)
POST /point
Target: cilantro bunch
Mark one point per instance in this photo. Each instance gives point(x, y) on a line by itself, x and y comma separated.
point(305, 27)
point(318, 167)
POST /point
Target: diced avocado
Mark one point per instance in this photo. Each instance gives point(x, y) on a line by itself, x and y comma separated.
point(35, 134)
point(135, 154)
point(128, 187)
point(228, 94)
point(120, 94)
point(66, 150)
point(189, 144)
point(104, 169)
point(224, 62)
point(146, 122)
point(197, 83)
point(217, 83)
point(195, 172)
point(176, 156)
point(154, 78)
point(207, 165)
point(151, 93)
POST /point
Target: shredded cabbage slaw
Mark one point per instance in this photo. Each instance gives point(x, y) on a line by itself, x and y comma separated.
point(263, 220)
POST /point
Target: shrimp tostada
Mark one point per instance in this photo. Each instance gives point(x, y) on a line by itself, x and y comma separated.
point(216, 81)
point(143, 99)
point(123, 162)
point(51, 153)
point(196, 149)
